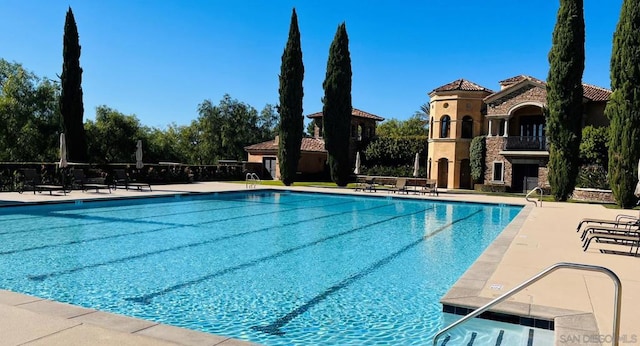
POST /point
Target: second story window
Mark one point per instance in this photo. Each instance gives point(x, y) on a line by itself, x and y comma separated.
point(445, 126)
point(431, 128)
point(467, 127)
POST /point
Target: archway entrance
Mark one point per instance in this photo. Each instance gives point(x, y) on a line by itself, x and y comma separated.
point(443, 173)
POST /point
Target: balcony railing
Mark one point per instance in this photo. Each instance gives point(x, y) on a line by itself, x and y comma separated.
point(525, 143)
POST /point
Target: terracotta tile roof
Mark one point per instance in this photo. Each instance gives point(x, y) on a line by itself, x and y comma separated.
point(516, 79)
point(462, 84)
point(308, 144)
point(312, 144)
point(356, 113)
point(591, 92)
point(595, 93)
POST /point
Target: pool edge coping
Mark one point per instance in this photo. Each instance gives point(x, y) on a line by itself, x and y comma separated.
point(110, 322)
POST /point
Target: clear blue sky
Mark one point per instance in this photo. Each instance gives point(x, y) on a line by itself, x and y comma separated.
point(159, 59)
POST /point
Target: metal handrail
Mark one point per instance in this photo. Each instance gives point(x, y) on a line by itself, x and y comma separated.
point(549, 270)
point(539, 189)
point(252, 180)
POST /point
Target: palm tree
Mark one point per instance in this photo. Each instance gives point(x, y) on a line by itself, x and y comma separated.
point(423, 113)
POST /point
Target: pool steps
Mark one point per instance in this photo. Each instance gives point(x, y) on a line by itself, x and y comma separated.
point(561, 265)
point(499, 337)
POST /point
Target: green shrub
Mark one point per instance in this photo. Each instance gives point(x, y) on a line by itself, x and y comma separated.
point(592, 176)
point(394, 152)
point(491, 188)
point(594, 148)
point(392, 171)
point(477, 153)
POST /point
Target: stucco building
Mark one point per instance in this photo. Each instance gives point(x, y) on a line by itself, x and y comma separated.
point(313, 156)
point(513, 122)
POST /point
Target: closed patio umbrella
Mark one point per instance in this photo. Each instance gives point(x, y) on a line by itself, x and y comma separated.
point(63, 151)
point(637, 192)
point(416, 165)
point(139, 163)
point(357, 169)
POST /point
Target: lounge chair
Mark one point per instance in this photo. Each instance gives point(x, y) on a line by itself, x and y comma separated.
point(33, 181)
point(122, 179)
point(609, 230)
point(631, 238)
point(83, 183)
point(400, 186)
point(365, 183)
point(360, 183)
point(621, 220)
point(430, 187)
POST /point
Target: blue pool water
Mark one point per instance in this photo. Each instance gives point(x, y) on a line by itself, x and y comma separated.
point(269, 267)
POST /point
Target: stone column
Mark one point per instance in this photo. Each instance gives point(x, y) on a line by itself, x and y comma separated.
point(490, 134)
point(506, 128)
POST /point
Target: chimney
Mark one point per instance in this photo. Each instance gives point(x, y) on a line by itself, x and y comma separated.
point(277, 140)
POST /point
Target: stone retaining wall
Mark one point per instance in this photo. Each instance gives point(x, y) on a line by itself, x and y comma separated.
point(593, 195)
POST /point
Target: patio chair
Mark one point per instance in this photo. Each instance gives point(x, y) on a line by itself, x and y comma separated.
point(621, 220)
point(430, 187)
point(630, 229)
point(400, 186)
point(613, 236)
point(122, 179)
point(82, 182)
point(365, 183)
point(33, 181)
point(360, 183)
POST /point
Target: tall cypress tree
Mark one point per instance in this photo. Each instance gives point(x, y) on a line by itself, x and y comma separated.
point(564, 98)
point(290, 108)
point(623, 109)
point(336, 110)
point(71, 106)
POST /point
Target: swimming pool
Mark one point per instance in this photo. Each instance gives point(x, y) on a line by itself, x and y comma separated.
point(271, 267)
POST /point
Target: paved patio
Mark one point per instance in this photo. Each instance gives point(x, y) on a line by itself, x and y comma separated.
point(536, 239)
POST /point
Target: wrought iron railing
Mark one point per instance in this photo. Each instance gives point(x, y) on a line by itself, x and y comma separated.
point(525, 143)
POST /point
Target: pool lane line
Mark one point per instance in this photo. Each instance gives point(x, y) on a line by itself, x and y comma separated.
point(473, 338)
point(104, 220)
point(74, 242)
point(274, 327)
point(53, 213)
point(42, 277)
point(146, 299)
point(91, 214)
point(500, 337)
point(107, 220)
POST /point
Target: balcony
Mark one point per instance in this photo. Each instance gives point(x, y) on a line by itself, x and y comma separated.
point(525, 143)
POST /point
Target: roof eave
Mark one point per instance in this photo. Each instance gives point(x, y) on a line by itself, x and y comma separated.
point(512, 88)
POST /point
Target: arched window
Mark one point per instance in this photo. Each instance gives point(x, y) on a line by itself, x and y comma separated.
point(467, 127)
point(445, 126)
point(431, 128)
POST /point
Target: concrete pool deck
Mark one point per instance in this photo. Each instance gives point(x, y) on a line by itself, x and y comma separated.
point(581, 302)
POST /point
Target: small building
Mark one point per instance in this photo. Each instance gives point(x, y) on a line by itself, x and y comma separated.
point(513, 122)
point(313, 156)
